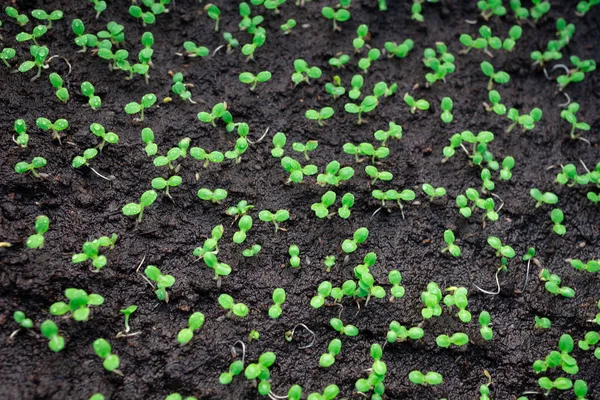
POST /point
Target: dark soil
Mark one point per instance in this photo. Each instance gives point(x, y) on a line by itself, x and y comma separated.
point(81, 206)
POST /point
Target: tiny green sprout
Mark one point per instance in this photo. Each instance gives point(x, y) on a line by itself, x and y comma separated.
point(6, 54)
point(329, 262)
point(498, 77)
point(83, 39)
point(195, 322)
point(50, 331)
point(576, 74)
point(21, 319)
point(44, 16)
point(399, 50)
point(181, 89)
point(192, 50)
point(304, 148)
point(552, 284)
point(107, 137)
point(431, 378)
point(258, 40)
point(240, 209)
point(447, 106)
point(253, 335)
point(213, 13)
point(261, 372)
point(580, 389)
point(219, 111)
point(366, 149)
point(507, 165)
point(82, 160)
point(356, 83)
point(458, 339)
point(57, 82)
point(433, 192)
point(514, 34)
point(347, 203)
point(199, 153)
point(231, 41)
point(20, 19)
point(545, 198)
point(235, 368)
point(485, 322)
point(278, 299)
point(322, 209)
point(340, 15)
point(399, 333)
point(323, 291)
point(591, 266)
point(568, 114)
point(160, 183)
point(557, 218)
point(244, 224)
point(362, 32)
point(163, 282)
point(78, 307)
point(37, 33)
point(252, 251)
point(177, 396)
point(377, 175)
point(431, 299)
point(338, 325)
point(36, 241)
point(527, 122)
point(497, 107)
point(276, 218)
point(395, 278)
point(114, 32)
point(148, 101)
point(238, 309)
point(287, 27)
point(335, 88)
point(21, 130)
point(394, 132)
point(36, 163)
point(103, 350)
point(319, 116)
point(251, 79)
point(294, 253)
point(441, 66)
point(382, 89)
point(458, 298)
point(502, 250)
point(453, 249)
point(521, 13)
point(590, 339)
point(559, 384)
point(487, 205)
point(542, 323)
point(584, 6)
point(416, 9)
point(490, 8)
point(87, 89)
point(339, 62)
point(365, 62)
point(359, 236)
point(279, 141)
point(415, 104)
point(334, 174)
point(539, 9)
point(127, 313)
point(215, 196)
point(302, 72)
point(333, 349)
point(146, 199)
point(91, 251)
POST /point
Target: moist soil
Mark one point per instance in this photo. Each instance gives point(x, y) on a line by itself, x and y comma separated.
point(82, 206)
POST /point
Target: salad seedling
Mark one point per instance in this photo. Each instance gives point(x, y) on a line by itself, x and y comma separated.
point(590, 339)
point(340, 15)
point(376, 174)
point(261, 372)
point(497, 107)
point(91, 251)
point(87, 89)
point(20, 19)
point(382, 89)
point(193, 50)
point(447, 106)
point(356, 83)
point(238, 309)
point(323, 291)
point(276, 218)
point(491, 7)
point(393, 195)
point(539, 9)
point(399, 333)
point(50, 331)
point(251, 79)
point(294, 253)
point(7, 53)
point(458, 339)
point(431, 299)
point(433, 192)
point(560, 358)
point(219, 111)
point(36, 241)
point(57, 82)
point(347, 203)
point(215, 196)
point(83, 39)
point(172, 155)
point(279, 141)
point(296, 171)
point(148, 101)
point(365, 63)
point(235, 368)
point(542, 323)
point(39, 54)
point(557, 218)
point(333, 349)
point(487, 205)
point(287, 27)
point(304, 148)
point(334, 174)
point(278, 299)
point(335, 88)
point(231, 42)
point(338, 325)
point(441, 66)
point(394, 132)
point(498, 77)
point(559, 383)
point(568, 114)
point(36, 33)
point(526, 121)
point(181, 89)
point(258, 40)
point(545, 198)
point(240, 209)
point(213, 13)
point(200, 154)
point(107, 137)
point(340, 61)
point(395, 278)
point(514, 34)
point(431, 378)
point(591, 266)
point(114, 32)
point(319, 116)
point(24, 322)
point(368, 104)
point(584, 6)
point(416, 9)
point(576, 74)
point(362, 32)
point(127, 313)
point(44, 16)
point(449, 238)
point(322, 209)
point(303, 72)
point(245, 224)
point(502, 250)
point(399, 50)
point(21, 129)
point(376, 375)
point(329, 262)
point(485, 322)
point(111, 361)
point(415, 104)
point(552, 284)
point(253, 335)
point(99, 7)
point(163, 282)
point(160, 183)
point(175, 396)
point(458, 298)
point(195, 322)
point(36, 163)
point(79, 304)
point(359, 236)
point(132, 209)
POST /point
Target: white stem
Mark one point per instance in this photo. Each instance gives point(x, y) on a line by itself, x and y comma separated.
point(108, 178)
point(311, 332)
point(487, 291)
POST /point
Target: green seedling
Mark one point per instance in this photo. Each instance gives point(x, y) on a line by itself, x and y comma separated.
point(20, 19)
point(181, 89)
point(39, 54)
point(356, 84)
point(502, 250)
point(333, 349)
point(160, 183)
point(568, 114)
point(335, 88)
point(50, 331)
point(458, 298)
point(177, 396)
point(557, 217)
point(416, 9)
point(146, 200)
point(451, 248)
point(552, 284)
point(99, 7)
point(368, 104)
point(340, 15)
point(302, 72)
point(399, 333)
point(288, 26)
point(127, 313)
point(431, 378)
point(79, 304)
point(91, 251)
point(458, 339)
point(584, 6)
point(527, 122)
point(235, 368)
point(431, 299)
point(494, 42)
point(239, 210)
point(42, 15)
point(498, 77)
point(561, 358)
point(576, 74)
point(365, 62)
point(338, 325)
point(539, 9)
point(377, 175)
point(323, 291)
point(258, 40)
point(514, 34)
point(304, 148)
point(366, 149)
point(195, 322)
point(237, 309)
point(359, 236)
point(250, 24)
point(542, 323)
point(148, 100)
point(479, 150)
point(381, 89)
point(35, 34)
point(543, 198)
point(240, 147)
point(36, 241)
point(399, 50)
point(111, 361)
point(497, 107)
point(163, 282)
point(347, 203)
point(245, 224)
point(393, 195)
point(114, 32)
point(580, 389)
point(319, 116)
point(83, 40)
point(269, 4)
point(366, 282)
point(294, 253)
point(340, 61)
point(231, 42)
point(362, 34)
point(57, 82)
point(376, 377)
point(334, 174)
point(279, 141)
point(278, 300)
point(21, 319)
point(172, 155)
point(590, 339)
point(6, 54)
point(215, 196)
point(485, 322)
point(486, 204)
point(490, 8)
point(591, 266)
point(329, 262)
point(219, 111)
point(261, 372)
point(432, 192)
point(251, 79)
point(107, 137)
point(552, 53)
point(447, 105)
point(322, 209)
point(394, 132)
point(441, 65)
point(87, 89)
point(213, 13)
point(253, 335)
point(276, 218)
point(193, 50)
point(415, 104)
point(82, 160)
point(36, 163)
point(200, 154)
point(21, 130)
point(395, 278)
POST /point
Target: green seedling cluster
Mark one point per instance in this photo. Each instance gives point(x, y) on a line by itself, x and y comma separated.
point(163, 282)
point(110, 361)
point(50, 331)
point(561, 358)
point(88, 90)
point(333, 349)
point(78, 306)
point(39, 54)
point(590, 266)
point(451, 248)
point(36, 241)
point(235, 368)
point(366, 282)
point(146, 199)
point(294, 253)
point(487, 40)
point(552, 284)
point(288, 26)
point(394, 195)
point(431, 299)
point(195, 322)
point(278, 299)
point(334, 174)
point(399, 50)
point(260, 371)
point(486, 204)
point(441, 63)
point(208, 253)
point(233, 308)
point(329, 262)
point(539, 9)
point(173, 396)
point(374, 173)
point(192, 50)
point(250, 79)
point(339, 62)
point(577, 73)
point(91, 251)
point(399, 333)
point(569, 176)
point(35, 34)
point(88, 154)
point(83, 40)
point(376, 377)
point(497, 107)
point(36, 163)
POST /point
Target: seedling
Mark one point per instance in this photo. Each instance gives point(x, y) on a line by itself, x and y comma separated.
point(163, 282)
point(57, 82)
point(552, 284)
point(340, 61)
point(590, 339)
point(111, 361)
point(431, 378)
point(215, 196)
point(195, 322)
point(376, 377)
point(20, 19)
point(340, 15)
point(261, 372)
point(251, 79)
point(279, 141)
point(240, 209)
point(24, 322)
point(356, 83)
point(82, 160)
point(253, 335)
point(560, 358)
point(79, 304)
point(200, 154)
point(107, 137)
point(416, 9)
point(50, 331)
point(322, 209)
point(514, 34)
point(458, 339)
point(278, 299)
point(447, 106)
point(319, 116)
point(491, 7)
point(91, 251)
point(366, 149)
point(415, 104)
point(347, 203)
point(498, 77)
point(433, 192)
point(576, 74)
point(127, 313)
point(502, 250)
point(394, 132)
point(338, 325)
point(87, 89)
point(323, 291)
point(21, 130)
point(399, 333)
point(542, 323)
point(6, 54)
point(568, 114)
point(365, 63)
point(44, 16)
point(36, 163)
point(219, 111)
point(35, 34)
point(148, 101)
point(258, 40)
point(173, 396)
point(304, 148)
point(303, 72)
point(181, 89)
point(527, 122)
point(288, 26)
point(399, 50)
point(294, 253)
point(543, 198)
point(441, 66)
point(36, 241)
point(231, 42)
point(334, 174)
point(431, 299)
point(393, 195)
point(237, 309)
point(99, 7)
point(172, 155)
point(213, 13)
point(377, 175)
point(329, 262)
point(333, 349)
point(276, 218)
point(497, 107)
point(83, 39)
point(395, 278)
point(584, 6)
point(381, 89)
point(335, 88)
point(160, 183)
point(39, 54)
point(193, 50)
point(591, 266)
point(486, 204)
point(114, 32)
point(132, 209)
point(361, 34)
point(485, 322)
point(458, 298)
point(557, 218)
point(359, 236)
point(235, 368)
point(453, 249)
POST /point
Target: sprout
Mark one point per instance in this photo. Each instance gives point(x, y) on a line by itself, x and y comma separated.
point(441, 66)
point(50, 331)
point(576, 74)
point(335, 88)
point(148, 17)
point(278, 299)
point(329, 262)
point(557, 218)
point(37, 33)
point(376, 174)
point(393, 195)
point(446, 106)
point(365, 63)
point(252, 251)
point(78, 307)
point(303, 72)
point(526, 121)
point(215, 196)
point(485, 321)
point(103, 350)
point(219, 111)
point(44, 16)
point(356, 83)
point(294, 253)
point(57, 82)
point(21, 129)
point(399, 50)
point(498, 77)
point(487, 205)
point(213, 13)
point(590, 339)
point(311, 145)
point(340, 15)
point(253, 335)
point(181, 89)
point(276, 218)
point(39, 54)
point(395, 279)
point(568, 114)
point(251, 79)
point(192, 50)
point(559, 383)
point(319, 116)
point(359, 236)
point(328, 359)
point(98, 130)
point(200, 154)
point(91, 251)
point(163, 282)
point(542, 323)
point(127, 312)
point(433, 192)
point(287, 27)
point(497, 107)
point(458, 298)
point(258, 40)
point(340, 61)
point(491, 7)
point(334, 174)
point(177, 396)
point(323, 291)
point(245, 224)
point(451, 248)
point(584, 6)
point(580, 389)
point(368, 104)
point(501, 249)
point(240, 209)
point(87, 89)
point(147, 198)
point(394, 132)
point(160, 183)
point(21, 19)
point(416, 10)
point(235, 368)
point(338, 325)
point(322, 209)
point(148, 101)
point(366, 149)
point(415, 104)
point(7, 53)
point(36, 163)
point(231, 41)
point(238, 309)
point(431, 299)
point(591, 266)
point(347, 203)
point(115, 33)
point(279, 141)
point(552, 284)
point(88, 154)
point(21, 319)
point(458, 339)
point(545, 198)
point(431, 378)
point(359, 41)
point(195, 322)
point(36, 241)
point(398, 333)
point(260, 371)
